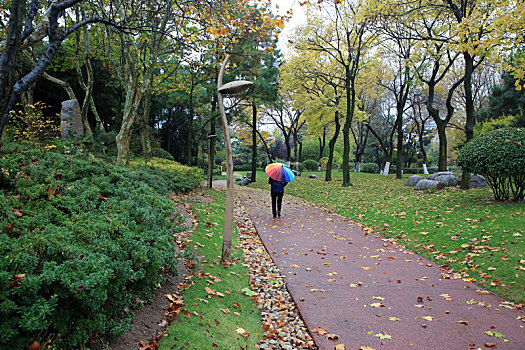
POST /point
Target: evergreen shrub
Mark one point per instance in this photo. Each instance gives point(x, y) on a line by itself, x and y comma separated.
point(161, 153)
point(498, 155)
point(80, 240)
point(310, 165)
point(371, 168)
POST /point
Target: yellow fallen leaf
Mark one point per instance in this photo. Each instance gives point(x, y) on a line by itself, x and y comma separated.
point(294, 265)
point(340, 347)
point(428, 318)
point(377, 305)
point(366, 268)
point(378, 298)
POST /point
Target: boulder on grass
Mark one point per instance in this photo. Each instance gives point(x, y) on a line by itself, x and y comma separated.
point(238, 178)
point(313, 176)
point(413, 180)
point(429, 184)
point(440, 173)
point(475, 180)
point(245, 181)
point(447, 180)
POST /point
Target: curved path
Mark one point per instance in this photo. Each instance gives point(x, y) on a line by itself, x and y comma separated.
point(362, 291)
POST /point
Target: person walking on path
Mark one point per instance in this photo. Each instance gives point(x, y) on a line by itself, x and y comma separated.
point(277, 196)
point(280, 175)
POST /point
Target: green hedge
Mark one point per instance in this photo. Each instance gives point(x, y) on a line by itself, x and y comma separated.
point(372, 168)
point(79, 241)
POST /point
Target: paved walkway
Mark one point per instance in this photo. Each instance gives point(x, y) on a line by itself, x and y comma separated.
point(361, 288)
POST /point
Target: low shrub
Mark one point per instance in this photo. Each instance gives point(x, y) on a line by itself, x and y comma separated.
point(174, 176)
point(79, 241)
point(243, 167)
point(372, 168)
point(161, 153)
point(310, 165)
point(498, 155)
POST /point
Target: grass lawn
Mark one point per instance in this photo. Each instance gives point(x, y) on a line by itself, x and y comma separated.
point(465, 230)
point(214, 307)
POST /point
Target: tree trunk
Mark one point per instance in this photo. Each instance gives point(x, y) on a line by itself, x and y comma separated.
point(350, 105)
point(469, 109)
point(144, 130)
point(254, 141)
point(399, 161)
point(331, 146)
point(10, 57)
point(133, 98)
point(322, 144)
point(442, 164)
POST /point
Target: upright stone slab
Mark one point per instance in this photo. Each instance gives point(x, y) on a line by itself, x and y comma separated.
point(71, 120)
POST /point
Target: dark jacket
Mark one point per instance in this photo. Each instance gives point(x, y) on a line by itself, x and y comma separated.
point(277, 186)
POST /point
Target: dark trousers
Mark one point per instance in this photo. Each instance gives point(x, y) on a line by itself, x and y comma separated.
point(277, 198)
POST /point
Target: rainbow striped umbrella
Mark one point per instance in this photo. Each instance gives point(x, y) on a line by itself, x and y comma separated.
point(279, 172)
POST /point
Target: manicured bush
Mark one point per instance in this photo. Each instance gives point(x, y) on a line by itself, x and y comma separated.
point(372, 168)
point(80, 240)
point(161, 153)
point(310, 165)
point(243, 167)
point(499, 156)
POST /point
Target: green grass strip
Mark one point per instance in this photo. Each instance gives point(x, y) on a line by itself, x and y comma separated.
point(465, 229)
point(215, 310)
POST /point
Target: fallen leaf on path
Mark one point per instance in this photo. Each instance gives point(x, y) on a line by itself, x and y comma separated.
point(340, 347)
point(446, 297)
point(490, 345)
point(320, 331)
point(383, 336)
point(494, 334)
point(462, 322)
point(332, 336)
point(377, 305)
point(428, 318)
point(366, 268)
point(394, 319)
point(366, 348)
point(378, 298)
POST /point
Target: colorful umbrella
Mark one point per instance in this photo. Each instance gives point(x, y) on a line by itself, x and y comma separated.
point(279, 172)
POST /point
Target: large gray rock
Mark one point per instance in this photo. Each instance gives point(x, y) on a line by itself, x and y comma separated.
point(475, 180)
point(71, 120)
point(440, 173)
point(447, 180)
point(245, 181)
point(313, 176)
point(413, 180)
point(428, 184)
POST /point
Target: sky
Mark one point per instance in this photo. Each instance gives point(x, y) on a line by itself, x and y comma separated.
point(297, 19)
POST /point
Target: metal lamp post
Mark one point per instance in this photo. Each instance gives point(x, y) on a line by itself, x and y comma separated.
point(229, 88)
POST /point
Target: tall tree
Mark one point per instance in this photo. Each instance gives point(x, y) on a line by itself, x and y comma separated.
point(342, 31)
point(26, 27)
